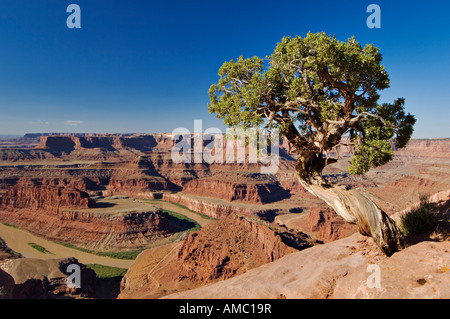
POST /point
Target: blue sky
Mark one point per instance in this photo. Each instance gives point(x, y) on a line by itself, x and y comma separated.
point(146, 66)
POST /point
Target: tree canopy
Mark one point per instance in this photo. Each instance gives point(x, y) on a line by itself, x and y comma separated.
point(316, 90)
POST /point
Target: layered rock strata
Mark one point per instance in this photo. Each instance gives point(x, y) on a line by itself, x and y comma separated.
point(232, 246)
point(66, 215)
point(231, 189)
point(48, 198)
point(327, 225)
point(220, 250)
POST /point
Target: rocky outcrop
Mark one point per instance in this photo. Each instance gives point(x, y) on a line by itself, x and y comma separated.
point(47, 279)
point(406, 191)
point(6, 285)
point(19, 155)
point(66, 215)
point(47, 198)
point(141, 186)
point(343, 269)
point(438, 148)
point(236, 188)
point(96, 231)
point(210, 209)
point(213, 209)
point(327, 225)
point(68, 143)
point(220, 250)
point(418, 272)
point(242, 244)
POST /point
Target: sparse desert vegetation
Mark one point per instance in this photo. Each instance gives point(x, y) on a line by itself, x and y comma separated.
point(40, 248)
point(421, 219)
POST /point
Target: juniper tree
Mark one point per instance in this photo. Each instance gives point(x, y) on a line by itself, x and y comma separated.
point(317, 90)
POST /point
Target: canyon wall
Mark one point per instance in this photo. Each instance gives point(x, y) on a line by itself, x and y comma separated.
point(109, 142)
point(210, 208)
point(220, 250)
point(49, 198)
point(235, 189)
point(229, 247)
point(67, 215)
point(327, 225)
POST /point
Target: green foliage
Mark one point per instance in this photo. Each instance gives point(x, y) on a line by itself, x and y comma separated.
point(181, 221)
point(313, 88)
point(12, 226)
point(371, 153)
point(184, 224)
point(373, 147)
point(419, 220)
point(130, 255)
point(238, 92)
point(40, 248)
point(103, 271)
point(156, 201)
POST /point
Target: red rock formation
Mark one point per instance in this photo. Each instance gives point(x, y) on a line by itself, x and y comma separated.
point(220, 250)
point(45, 198)
point(208, 208)
point(236, 188)
point(207, 256)
point(437, 148)
point(60, 214)
point(110, 142)
point(405, 191)
point(47, 279)
point(328, 225)
point(340, 270)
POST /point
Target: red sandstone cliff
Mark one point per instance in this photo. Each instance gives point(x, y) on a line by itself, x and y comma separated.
point(110, 142)
point(220, 250)
point(47, 198)
point(227, 248)
point(327, 225)
point(211, 209)
point(62, 214)
point(236, 188)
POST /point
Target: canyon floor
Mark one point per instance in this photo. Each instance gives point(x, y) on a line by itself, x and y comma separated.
point(198, 230)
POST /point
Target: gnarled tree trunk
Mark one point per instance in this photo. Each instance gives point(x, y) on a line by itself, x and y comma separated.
point(353, 206)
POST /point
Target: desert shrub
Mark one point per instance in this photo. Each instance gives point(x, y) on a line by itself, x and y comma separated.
point(40, 248)
point(419, 220)
point(106, 271)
